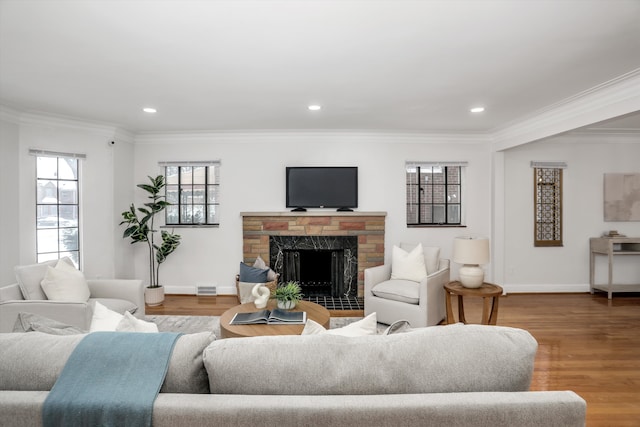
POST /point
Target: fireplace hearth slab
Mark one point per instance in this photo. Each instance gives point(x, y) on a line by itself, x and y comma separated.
point(335, 303)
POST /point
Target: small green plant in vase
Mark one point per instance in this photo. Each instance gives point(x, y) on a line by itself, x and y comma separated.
point(287, 295)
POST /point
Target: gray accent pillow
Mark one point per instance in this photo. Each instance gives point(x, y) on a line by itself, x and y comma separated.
point(29, 278)
point(33, 361)
point(252, 274)
point(398, 327)
point(29, 322)
point(439, 359)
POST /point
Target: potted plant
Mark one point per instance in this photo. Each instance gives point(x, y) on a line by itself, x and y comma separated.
point(141, 230)
point(287, 295)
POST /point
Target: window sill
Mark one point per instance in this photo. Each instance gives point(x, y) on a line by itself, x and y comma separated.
point(436, 226)
point(191, 226)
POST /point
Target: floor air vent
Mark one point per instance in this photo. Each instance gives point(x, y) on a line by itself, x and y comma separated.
point(207, 290)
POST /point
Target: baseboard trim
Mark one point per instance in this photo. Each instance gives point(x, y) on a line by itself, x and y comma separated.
point(546, 288)
point(192, 290)
point(508, 288)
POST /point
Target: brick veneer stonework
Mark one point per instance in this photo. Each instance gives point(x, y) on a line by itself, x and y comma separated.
point(367, 226)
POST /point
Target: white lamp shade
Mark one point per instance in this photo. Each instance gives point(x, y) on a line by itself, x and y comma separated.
point(470, 250)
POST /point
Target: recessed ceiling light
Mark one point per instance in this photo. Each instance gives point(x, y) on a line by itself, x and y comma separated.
point(477, 109)
point(314, 107)
point(149, 110)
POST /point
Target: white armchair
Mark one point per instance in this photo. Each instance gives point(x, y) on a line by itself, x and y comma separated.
point(420, 303)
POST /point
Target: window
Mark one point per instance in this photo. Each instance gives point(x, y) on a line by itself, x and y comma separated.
point(434, 193)
point(193, 189)
point(547, 187)
point(57, 206)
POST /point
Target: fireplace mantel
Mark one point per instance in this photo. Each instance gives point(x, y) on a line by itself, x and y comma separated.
point(369, 227)
point(315, 213)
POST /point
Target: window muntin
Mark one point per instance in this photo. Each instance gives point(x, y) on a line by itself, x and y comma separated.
point(434, 194)
point(57, 208)
point(193, 191)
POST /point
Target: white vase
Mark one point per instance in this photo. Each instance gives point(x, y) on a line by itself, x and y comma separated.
point(286, 305)
point(154, 296)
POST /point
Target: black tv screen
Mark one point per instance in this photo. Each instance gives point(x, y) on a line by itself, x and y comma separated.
point(322, 187)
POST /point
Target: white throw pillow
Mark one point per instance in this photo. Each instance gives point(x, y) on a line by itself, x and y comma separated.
point(104, 319)
point(366, 326)
point(431, 255)
point(29, 278)
point(129, 323)
point(65, 283)
point(408, 265)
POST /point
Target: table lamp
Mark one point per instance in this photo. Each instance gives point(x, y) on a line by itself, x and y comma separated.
point(471, 252)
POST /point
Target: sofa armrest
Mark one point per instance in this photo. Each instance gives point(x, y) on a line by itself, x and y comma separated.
point(126, 289)
point(71, 313)
point(375, 275)
point(11, 292)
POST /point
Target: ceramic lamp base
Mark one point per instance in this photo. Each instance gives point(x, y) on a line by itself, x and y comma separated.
point(471, 276)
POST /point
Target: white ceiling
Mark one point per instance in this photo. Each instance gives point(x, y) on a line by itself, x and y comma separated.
point(409, 66)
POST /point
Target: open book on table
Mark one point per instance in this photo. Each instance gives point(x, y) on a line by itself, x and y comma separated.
point(273, 317)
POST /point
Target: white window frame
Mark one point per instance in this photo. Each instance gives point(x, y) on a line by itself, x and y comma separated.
point(58, 228)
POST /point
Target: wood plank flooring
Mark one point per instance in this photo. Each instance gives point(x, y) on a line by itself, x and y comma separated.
point(587, 344)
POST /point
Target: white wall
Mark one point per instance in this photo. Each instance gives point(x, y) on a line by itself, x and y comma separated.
point(498, 194)
point(528, 268)
point(253, 179)
point(97, 189)
point(9, 213)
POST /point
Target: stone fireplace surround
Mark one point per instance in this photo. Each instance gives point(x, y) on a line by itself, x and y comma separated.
point(368, 227)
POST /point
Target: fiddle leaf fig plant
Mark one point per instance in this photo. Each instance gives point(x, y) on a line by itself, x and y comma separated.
point(141, 228)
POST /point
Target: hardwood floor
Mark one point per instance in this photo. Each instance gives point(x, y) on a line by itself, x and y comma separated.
point(586, 343)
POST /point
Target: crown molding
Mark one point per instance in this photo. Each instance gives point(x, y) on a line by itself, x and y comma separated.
point(39, 118)
point(611, 99)
point(10, 115)
point(308, 136)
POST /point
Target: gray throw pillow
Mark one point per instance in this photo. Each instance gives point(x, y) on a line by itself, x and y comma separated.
point(253, 275)
point(29, 322)
point(29, 278)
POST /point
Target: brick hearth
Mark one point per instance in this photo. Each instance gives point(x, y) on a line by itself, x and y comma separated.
point(367, 226)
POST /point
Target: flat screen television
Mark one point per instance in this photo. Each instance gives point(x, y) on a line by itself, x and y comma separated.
point(322, 187)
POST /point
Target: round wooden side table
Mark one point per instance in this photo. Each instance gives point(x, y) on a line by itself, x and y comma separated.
point(489, 292)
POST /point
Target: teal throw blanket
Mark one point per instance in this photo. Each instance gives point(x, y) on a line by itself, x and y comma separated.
point(110, 379)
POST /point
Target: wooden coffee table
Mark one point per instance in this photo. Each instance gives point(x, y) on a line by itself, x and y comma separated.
point(314, 311)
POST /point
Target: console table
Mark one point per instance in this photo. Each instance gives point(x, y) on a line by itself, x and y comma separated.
point(612, 247)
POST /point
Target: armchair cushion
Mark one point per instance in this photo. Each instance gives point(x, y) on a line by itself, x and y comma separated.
point(408, 265)
point(65, 283)
point(398, 290)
